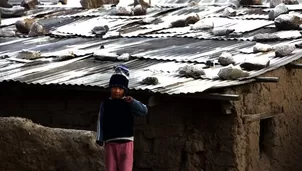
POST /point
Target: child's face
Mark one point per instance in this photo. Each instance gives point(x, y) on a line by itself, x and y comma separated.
point(117, 92)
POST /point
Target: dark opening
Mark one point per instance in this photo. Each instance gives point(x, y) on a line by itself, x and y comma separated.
point(264, 133)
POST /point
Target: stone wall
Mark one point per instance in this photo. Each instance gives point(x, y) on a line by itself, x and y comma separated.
point(273, 144)
point(178, 134)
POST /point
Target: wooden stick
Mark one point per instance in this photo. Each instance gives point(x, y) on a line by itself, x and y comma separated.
point(218, 96)
point(294, 66)
point(267, 79)
point(258, 117)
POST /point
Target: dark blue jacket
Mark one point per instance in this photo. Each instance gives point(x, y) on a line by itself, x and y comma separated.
point(121, 126)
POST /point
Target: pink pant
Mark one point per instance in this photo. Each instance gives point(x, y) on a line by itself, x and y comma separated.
point(119, 156)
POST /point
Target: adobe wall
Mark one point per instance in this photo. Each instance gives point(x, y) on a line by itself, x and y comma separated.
point(280, 146)
point(178, 134)
point(51, 107)
point(186, 135)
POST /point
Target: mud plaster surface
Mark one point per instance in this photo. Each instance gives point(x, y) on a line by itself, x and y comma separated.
point(29, 146)
point(282, 144)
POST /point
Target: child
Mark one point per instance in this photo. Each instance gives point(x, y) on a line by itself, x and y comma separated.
point(115, 123)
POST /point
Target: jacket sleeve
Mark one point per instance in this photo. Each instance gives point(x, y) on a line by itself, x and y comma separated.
point(138, 108)
point(100, 124)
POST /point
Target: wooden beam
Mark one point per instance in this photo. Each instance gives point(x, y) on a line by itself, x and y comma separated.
point(267, 79)
point(294, 66)
point(258, 117)
point(218, 96)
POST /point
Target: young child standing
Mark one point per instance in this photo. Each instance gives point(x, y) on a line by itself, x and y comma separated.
point(115, 122)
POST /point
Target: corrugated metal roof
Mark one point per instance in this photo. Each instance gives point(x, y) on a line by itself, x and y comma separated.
point(88, 71)
point(42, 2)
point(176, 49)
point(156, 49)
point(84, 26)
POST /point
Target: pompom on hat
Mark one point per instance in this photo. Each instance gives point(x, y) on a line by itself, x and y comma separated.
point(120, 78)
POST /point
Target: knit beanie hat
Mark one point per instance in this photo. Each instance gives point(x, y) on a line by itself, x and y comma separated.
point(120, 78)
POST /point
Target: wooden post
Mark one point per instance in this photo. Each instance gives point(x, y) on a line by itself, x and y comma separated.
point(267, 79)
point(218, 96)
point(257, 117)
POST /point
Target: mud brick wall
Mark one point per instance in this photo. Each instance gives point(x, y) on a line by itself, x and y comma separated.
point(178, 134)
point(272, 144)
point(187, 135)
point(51, 107)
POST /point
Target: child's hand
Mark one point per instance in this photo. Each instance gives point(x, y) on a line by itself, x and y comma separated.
point(128, 99)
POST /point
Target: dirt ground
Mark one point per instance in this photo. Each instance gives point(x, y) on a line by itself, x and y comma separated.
point(26, 146)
